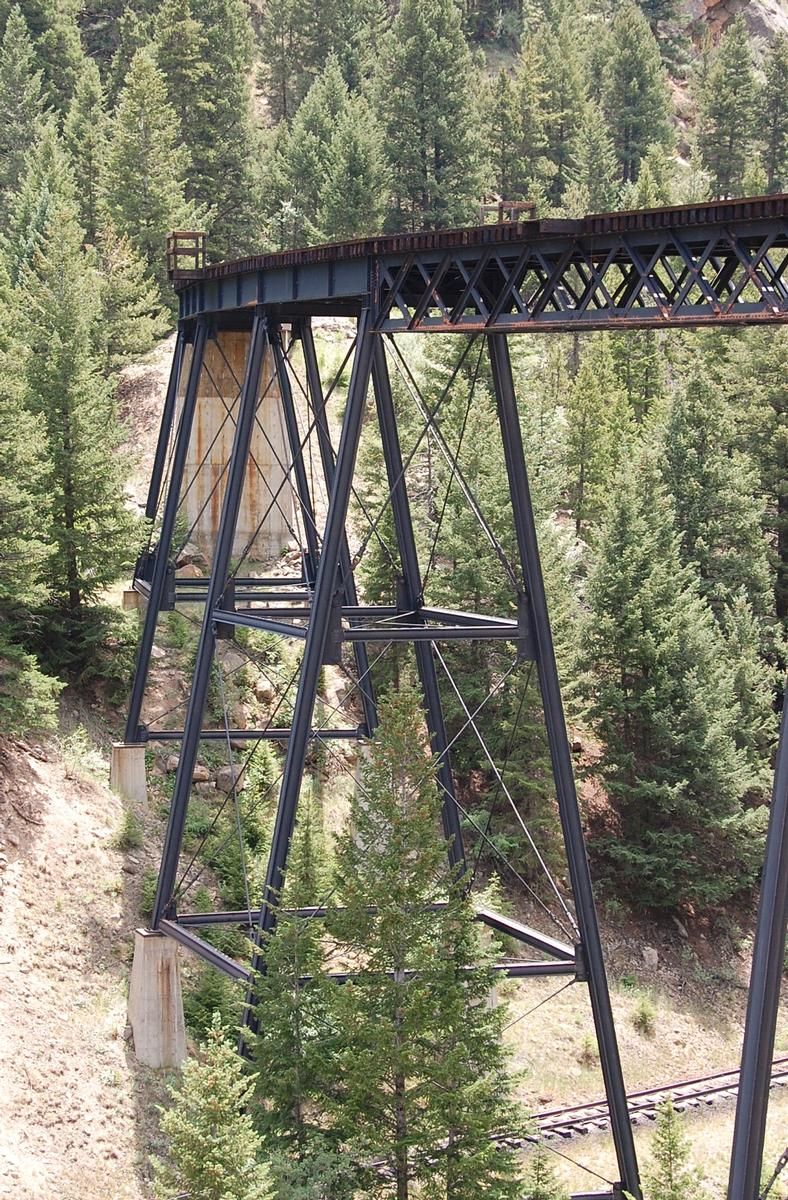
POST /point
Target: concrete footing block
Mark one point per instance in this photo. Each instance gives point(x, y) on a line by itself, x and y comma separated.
point(155, 1001)
point(127, 770)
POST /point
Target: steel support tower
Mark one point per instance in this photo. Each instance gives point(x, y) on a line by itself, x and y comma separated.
point(707, 265)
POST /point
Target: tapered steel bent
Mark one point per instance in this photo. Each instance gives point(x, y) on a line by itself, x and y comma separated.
point(165, 429)
point(324, 600)
point(162, 554)
point(412, 586)
point(206, 646)
point(305, 503)
point(763, 1001)
point(303, 330)
point(560, 755)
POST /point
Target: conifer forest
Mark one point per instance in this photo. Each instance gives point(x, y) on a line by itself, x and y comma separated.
point(658, 464)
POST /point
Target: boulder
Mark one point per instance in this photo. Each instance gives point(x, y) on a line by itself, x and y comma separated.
point(263, 689)
point(227, 777)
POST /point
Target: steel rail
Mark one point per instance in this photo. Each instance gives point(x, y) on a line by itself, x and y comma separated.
point(575, 1120)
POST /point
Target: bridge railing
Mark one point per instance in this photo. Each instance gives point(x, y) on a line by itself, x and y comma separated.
point(186, 253)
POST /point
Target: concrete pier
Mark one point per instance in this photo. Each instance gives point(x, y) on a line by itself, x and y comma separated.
point(212, 438)
point(155, 1001)
point(127, 771)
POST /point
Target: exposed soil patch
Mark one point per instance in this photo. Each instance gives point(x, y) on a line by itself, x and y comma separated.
point(77, 1114)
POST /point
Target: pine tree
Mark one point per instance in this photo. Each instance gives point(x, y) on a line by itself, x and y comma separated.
point(90, 530)
point(481, 19)
point(23, 550)
point(655, 181)
point(541, 1182)
point(773, 116)
point(296, 41)
point(657, 11)
point(727, 112)
point(53, 29)
point(714, 492)
point(213, 1147)
point(671, 1176)
point(144, 146)
point(425, 91)
point(502, 129)
point(85, 133)
point(283, 76)
point(635, 95)
point(222, 141)
point(293, 1045)
point(353, 197)
point(132, 318)
point(134, 33)
point(422, 1079)
point(756, 389)
point(593, 171)
point(754, 684)
point(20, 103)
point(27, 696)
point(563, 99)
point(639, 363)
point(304, 154)
point(537, 170)
point(663, 704)
point(181, 50)
point(599, 428)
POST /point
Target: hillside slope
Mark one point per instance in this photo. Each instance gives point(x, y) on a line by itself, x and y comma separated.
point(76, 1112)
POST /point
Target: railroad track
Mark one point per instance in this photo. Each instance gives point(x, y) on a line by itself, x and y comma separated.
point(578, 1119)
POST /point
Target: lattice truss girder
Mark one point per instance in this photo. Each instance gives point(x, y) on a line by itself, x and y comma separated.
point(320, 608)
point(632, 280)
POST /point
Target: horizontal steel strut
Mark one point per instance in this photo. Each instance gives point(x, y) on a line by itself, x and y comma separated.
point(712, 263)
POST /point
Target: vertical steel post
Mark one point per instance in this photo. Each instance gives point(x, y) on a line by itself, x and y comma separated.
point(325, 590)
point(167, 415)
point(231, 503)
point(350, 596)
point(763, 1000)
point(560, 755)
point(297, 455)
point(411, 574)
point(167, 527)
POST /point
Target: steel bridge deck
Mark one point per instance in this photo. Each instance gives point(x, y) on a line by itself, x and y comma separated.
point(722, 261)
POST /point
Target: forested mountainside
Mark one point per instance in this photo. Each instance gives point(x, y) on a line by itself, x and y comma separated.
point(661, 458)
point(659, 464)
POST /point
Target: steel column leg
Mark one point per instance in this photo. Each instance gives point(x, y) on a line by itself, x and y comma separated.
point(205, 650)
point(168, 412)
point(299, 470)
point(167, 526)
point(528, 548)
point(325, 589)
point(763, 1001)
point(406, 542)
point(350, 596)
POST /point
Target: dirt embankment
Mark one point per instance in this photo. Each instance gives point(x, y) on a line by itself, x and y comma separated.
point(76, 1112)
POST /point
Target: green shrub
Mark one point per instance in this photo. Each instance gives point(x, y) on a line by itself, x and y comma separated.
point(129, 834)
point(80, 755)
point(93, 645)
point(148, 892)
point(211, 992)
point(179, 630)
point(28, 697)
point(589, 1052)
point(644, 1016)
